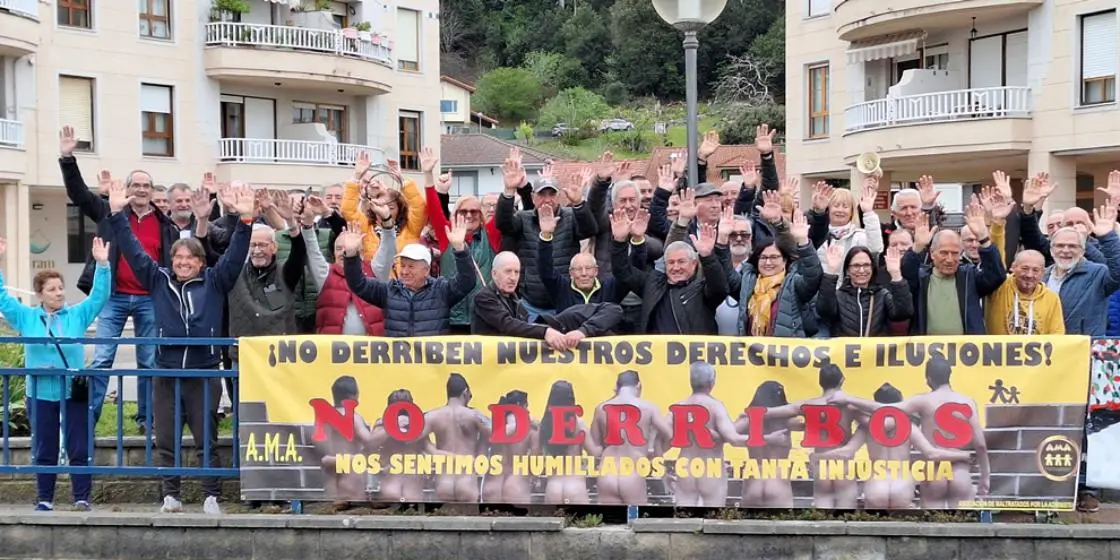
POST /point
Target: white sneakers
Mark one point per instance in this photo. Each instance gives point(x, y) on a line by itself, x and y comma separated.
point(172, 505)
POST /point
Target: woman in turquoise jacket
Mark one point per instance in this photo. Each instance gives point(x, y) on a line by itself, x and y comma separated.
point(51, 398)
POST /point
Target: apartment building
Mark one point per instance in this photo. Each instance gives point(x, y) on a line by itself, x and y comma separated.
point(955, 90)
point(286, 93)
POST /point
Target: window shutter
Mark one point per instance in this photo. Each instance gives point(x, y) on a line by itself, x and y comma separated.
point(408, 35)
point(155, 99)
point(75, 106)
point(1099, 49)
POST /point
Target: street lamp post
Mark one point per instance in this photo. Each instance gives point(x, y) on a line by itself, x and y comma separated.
point(690, 16)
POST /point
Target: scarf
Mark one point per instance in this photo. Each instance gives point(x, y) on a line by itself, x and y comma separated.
point(766, 290)
point(838, 232)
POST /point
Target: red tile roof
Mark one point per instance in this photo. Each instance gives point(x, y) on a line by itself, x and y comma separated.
point(726, 157)
point(484, 150)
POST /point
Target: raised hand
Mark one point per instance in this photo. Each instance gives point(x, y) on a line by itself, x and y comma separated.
point(457, 236)
point(870, 191)
point(573, 191)
point(688, 209)
point(1002, 182)
point(926, 190)
point(923, 234)
point(264, 199)
point(771, 209)
point(606, 167)
point(764, 138)
point(200, 204)
point(625, 172)
point(678, 164)
point(283, 204)
point(380, 209)
point(1036, 190)
point(726, 221)
point(513, 174)
point(395, 170)
point(317, 206)
point(104, 181)
point(749, 172)
point(100, 250)
point(708, 145)
point(548, 219)
point(67, 142)
point(822, 194)
point(546, 170)
point(791, 186)
point(799, 227)
point(243, 202)
point(620, 225)
point(118, 196)
point(1104, 219)
point(835, 257)
point(443, 182)
point(705, 242)
point(361, 165)
point(428, 160)
point(976, 218)
point(639, 224)
point(665, 178)
point(351, 239)
point(893, 260)
point(1113, 186)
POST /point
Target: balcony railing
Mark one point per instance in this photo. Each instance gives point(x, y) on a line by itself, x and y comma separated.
point(297, 38)
point(291, 152)
point(11, 133)
point(28, 8)
point(942, 106)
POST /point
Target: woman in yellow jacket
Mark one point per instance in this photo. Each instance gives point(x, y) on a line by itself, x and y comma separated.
point(407, 206)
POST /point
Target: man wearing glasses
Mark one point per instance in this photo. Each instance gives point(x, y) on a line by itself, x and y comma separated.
point(739, 245)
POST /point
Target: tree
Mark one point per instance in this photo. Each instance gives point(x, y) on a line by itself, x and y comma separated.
point(507, 94)
point(575, 106)
point(647, 55)
point(737, 121)
point(554, 71)
point(743, 79)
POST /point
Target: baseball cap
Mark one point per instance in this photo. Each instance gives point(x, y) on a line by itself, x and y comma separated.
point(547, 183)
point(707, 189)
point(416, 252)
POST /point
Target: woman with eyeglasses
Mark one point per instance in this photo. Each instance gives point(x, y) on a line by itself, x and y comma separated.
point(860, 305)
point(775, 286)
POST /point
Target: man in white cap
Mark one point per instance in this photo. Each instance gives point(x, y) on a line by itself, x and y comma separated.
point(415, 303)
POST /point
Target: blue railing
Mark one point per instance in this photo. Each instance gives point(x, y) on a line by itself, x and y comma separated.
point(121, 468)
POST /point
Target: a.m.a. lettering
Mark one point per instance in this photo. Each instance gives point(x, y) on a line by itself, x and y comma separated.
point(271, 448)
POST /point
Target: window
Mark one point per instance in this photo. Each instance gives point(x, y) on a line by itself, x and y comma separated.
point(74, 13)
point(332, 116)
point(936, 58)
point(818, 101)
point(448, 105)
point(75, 108)
point(818, 7)
point(410, 140)
point(79, 235)
point(1099, 51)
point(408, 40)
point(157, 120)
point(155, 19)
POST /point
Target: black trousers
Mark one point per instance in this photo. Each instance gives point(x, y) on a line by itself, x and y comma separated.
point(198, 408)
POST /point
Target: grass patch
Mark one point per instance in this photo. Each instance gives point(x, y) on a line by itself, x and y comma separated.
point(591, 148)
point(586, 521)
point(678, 135)
point(107, 427)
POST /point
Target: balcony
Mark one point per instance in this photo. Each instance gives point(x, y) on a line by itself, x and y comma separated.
point(980, 122)
point(13, 159)
point(860, 19)
point(288, 162)
point(19, 27)
point(272, 55)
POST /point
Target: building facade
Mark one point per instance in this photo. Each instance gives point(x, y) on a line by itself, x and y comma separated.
point(285, 94)
point(955, 90)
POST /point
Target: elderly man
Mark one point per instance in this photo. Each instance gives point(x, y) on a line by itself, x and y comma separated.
point(159, 199)
point(910, 204)
point(1085, 286)
point(1023, 304)
point(739, 247)
point(576, 223)
point(947, 293)
point(1054, 222)
point(625, 196)
point(415, 303)
point(583, 284)
point(189, 300)
point(700, 206)
point(498, 311)
point(681, 299)
point(263, 299)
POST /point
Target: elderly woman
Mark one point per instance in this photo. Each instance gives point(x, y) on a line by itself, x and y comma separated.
point(774, 286)
point(50, 397)
point(861, 305)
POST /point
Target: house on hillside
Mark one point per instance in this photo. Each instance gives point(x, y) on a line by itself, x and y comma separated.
point(723, 165)
point(455, 115)
point(475, 162)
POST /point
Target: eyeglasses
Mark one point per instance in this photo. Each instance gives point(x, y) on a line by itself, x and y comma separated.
point(739, 235)
point(770, 258)
point(470, 212)
point(581, 269)
point(860, 266)
point(260, 245)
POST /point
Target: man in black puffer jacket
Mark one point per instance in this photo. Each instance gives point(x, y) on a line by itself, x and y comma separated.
point(576, 224)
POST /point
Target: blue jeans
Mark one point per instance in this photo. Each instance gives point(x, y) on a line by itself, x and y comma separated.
point(110, 324)
point(535, 312)
point(45, 421)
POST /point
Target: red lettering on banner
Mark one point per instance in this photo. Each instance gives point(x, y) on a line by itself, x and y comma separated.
point(499, 413)
point(415, 421)
point(954, 432)
point(877, 426)
point(690, 424)
point(565, 420)
point(822, 426)
point(327, 415)
point(623, 417)
point(756, 421)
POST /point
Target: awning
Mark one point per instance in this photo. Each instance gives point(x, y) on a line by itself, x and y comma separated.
point(885, 46)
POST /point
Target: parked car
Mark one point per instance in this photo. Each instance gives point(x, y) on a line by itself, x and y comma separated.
point(615, 125)
point(560, 129)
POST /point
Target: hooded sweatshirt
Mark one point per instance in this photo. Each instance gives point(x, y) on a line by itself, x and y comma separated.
point(1010, 312)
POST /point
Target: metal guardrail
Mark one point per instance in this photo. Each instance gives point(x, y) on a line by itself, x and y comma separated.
point(120, 468)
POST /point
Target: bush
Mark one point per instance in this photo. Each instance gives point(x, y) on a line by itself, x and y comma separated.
point(11, 356)
point(738, 121)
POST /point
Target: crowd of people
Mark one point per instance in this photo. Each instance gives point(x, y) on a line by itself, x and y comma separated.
point(604, 251)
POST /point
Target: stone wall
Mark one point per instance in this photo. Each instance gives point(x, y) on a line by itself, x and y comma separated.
point(277, 537)
point(1014, 433)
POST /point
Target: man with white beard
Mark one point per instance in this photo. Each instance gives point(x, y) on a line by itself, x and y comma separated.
point(739, 245)
point(1085, 286)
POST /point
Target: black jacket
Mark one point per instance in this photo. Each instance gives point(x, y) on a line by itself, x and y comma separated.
point(96, 208)
point(601, 209)
point(694, 305)
point(846, 310)
point(559, 286)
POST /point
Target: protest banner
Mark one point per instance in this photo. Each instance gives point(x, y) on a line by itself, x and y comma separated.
point(875, 423)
